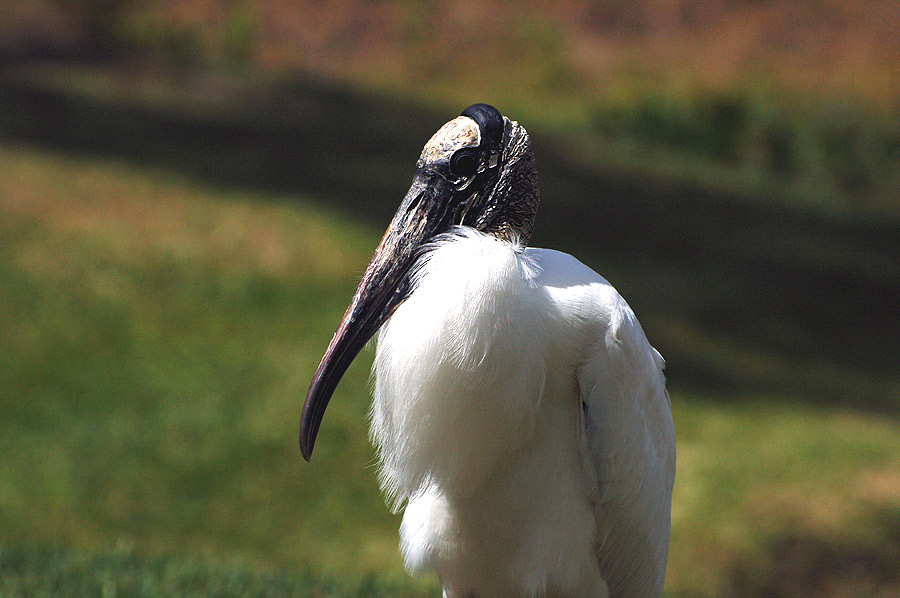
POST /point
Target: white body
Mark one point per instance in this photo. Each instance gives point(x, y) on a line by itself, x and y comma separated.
point(522, 416)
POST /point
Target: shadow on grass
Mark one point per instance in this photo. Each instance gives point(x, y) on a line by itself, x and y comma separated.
point(807, 564)
point(751, 281)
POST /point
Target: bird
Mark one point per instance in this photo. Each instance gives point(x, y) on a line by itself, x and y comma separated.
point(520, 416)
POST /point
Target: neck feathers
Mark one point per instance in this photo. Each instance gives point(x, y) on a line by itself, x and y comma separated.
point(515, 198)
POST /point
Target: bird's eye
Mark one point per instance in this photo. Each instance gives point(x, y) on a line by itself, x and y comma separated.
point(463, 163)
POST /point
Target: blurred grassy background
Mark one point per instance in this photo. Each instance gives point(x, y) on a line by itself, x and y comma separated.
point(189, 191)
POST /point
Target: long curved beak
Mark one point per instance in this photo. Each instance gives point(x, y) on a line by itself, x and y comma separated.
point(387, 282)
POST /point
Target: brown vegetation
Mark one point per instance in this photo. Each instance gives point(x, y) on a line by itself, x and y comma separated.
point(553, 46)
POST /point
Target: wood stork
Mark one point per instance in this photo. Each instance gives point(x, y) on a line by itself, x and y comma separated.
point(520, 414)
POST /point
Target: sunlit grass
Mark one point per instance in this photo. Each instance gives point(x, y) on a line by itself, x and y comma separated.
point(157, 336)
point(157, 342)
point(40, 572)
point(754, 474)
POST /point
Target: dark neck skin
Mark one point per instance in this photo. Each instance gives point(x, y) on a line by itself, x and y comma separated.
point(515, 197)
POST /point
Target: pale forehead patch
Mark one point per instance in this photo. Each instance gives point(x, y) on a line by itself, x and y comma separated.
point(460, 132)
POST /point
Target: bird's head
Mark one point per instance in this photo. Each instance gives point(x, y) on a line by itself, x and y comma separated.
point(476, 171)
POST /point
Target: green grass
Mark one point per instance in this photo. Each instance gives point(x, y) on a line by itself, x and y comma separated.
point(32, 572)
point(755, 476)
point(156, 343)
point(157, 335)
point(828, 153)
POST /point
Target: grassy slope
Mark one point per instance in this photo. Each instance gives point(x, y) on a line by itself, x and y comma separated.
point(156, 339)
point(157, 334)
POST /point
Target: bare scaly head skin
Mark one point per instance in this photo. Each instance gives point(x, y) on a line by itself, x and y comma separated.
point(461, 132)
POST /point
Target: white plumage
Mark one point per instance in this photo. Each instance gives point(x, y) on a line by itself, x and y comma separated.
point(521, 412)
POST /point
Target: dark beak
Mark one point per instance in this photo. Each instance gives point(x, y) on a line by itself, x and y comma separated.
point(428, 210)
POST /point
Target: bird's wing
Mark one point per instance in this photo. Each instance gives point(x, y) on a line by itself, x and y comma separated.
point(630, 441)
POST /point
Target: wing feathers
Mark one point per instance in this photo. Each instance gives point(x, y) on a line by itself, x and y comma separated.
point(630, 437)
